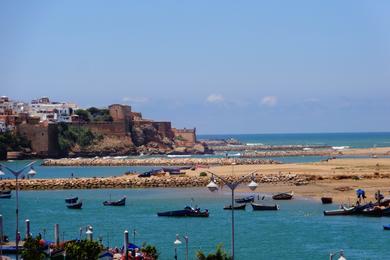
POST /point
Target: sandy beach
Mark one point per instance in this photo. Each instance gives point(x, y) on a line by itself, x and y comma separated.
point(337, 178)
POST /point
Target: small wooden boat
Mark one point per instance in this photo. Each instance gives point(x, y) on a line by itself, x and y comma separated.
point(283, 196)
point(236, 207)
point(246, 199)
point(71, 200)
point(121, 202)
point(5, 192)
point(76, 205)
point(5, 196)
point(340, 212)
point(186, 212)
point(326, 200)
point(256, 206)
point(386, 227)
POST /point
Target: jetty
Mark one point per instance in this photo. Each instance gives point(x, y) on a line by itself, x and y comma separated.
point(154, 161)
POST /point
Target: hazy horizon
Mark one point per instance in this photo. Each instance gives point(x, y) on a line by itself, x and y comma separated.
point(222, 67)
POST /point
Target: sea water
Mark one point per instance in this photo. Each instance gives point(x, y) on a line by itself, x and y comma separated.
point(299, 230)
point(353, 140)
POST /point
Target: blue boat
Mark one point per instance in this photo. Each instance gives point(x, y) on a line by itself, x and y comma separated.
point(386, 227)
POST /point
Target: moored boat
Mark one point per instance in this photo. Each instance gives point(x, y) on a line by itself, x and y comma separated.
point(327, 200)
point(186, 212)
point(340, 212)
point(5, 192)
point(256, 206)
point(5, 196)
point(246, 199)
point(76, 205)
point(283, 196)
point(386, 227)
point(71, 200)
point(121, 202)
point(236, 207)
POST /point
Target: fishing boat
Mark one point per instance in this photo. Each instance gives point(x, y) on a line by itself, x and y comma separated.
point(5, 192)
point(186, 212)
point(239, 207)
point(76, 205)
point(256, 206)
point(5, 196)
point(340, 212)
point(326, 200)
point(246, 199)
point(155, 172)
point(71, 200)
point(121, 202)
point(283, 196)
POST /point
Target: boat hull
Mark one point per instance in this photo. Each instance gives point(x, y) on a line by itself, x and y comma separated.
point(327, 200)
point(238, 207)
point(245, 200)
point(283, 196)
point(5, 196)
point(75, 205)
point(184, 213)
point(264, 207)
point(71, 200)
point(121, 202)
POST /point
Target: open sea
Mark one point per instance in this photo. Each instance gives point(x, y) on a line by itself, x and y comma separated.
point(297, 231)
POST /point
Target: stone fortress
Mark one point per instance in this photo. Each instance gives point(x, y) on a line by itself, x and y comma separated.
point(128, 128)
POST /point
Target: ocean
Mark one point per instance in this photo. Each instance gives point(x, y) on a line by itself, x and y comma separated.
point(353, 140)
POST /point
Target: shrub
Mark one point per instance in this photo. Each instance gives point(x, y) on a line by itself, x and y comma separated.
point(219, 254)
point(203, 174)
point(150, 250)
point(32, 249)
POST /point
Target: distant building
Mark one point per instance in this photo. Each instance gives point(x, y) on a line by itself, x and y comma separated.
point(52, 111)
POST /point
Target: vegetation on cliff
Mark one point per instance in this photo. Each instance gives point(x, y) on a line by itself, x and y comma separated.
point(69, 136)
point(94, 114)
point(10, 141)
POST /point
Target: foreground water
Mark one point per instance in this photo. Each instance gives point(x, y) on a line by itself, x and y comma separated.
point(298, 231)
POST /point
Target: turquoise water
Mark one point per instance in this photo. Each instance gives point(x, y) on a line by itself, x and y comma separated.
point(45, 172)
point(355, 140)
point(297, 231)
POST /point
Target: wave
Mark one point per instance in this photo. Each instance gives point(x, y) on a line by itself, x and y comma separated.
point(253, 144)
point(178, 155)
point(340, 147)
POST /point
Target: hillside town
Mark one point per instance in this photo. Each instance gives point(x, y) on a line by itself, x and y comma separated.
point(55, 129)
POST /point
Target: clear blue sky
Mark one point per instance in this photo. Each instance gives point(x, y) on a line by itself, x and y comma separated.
point(222, 66)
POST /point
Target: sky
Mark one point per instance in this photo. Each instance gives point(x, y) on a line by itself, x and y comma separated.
point(221, 66)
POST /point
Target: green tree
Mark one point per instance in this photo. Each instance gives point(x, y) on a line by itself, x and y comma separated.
point(83, 250)
point(150, 250)
point(32, 249)
point(219, 254)
point(84, 115)
point(69, 136)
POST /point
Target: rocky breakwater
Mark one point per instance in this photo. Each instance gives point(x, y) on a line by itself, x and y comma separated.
point(136, 182)
point(152, 161)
